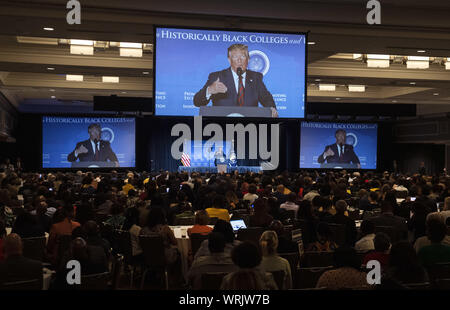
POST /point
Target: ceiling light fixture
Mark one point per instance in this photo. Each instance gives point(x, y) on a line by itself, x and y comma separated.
point(418, 62)
point(311, 43)
point(49, 28)
point(110, 79)
point(74, 78)
point(82, 47)
point(128, 49)
point(378, 61)
point(357, 88)
point(327, 87)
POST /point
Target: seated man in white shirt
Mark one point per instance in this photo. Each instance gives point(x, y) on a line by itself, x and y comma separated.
point(290, 204)
point(365, 244)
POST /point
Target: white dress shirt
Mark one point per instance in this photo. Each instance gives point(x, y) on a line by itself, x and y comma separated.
point(339, 149)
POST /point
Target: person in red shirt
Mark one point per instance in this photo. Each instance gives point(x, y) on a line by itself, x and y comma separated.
point(201, 224)
point(382, 245)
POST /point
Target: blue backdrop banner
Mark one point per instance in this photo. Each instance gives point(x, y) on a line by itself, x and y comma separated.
point(316, 138)
point(60, 135)
point(186, 57)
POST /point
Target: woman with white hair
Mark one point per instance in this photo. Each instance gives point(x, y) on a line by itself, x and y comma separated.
point(271, 262)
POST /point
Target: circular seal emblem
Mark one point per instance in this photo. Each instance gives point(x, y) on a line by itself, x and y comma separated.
point(259, 62)
point(352, 139)
point(107, 134)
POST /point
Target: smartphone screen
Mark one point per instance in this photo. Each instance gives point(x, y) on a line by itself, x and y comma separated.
point(413, 198)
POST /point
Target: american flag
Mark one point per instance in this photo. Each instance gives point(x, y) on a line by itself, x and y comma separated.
point(185, 159)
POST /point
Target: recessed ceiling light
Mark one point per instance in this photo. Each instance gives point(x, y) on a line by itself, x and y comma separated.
point(145, 72)
point(52, 90)
point(311, 43)
point(53, 97)
point(124, 92)
point(49, 28)
point(50, 68)
point(436, 94)
point(412, 83)
point(394, 101)
point(421, 51)
point(338, 98)
point(318, 80)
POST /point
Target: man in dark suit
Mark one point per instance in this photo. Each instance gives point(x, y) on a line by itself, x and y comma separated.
point(219, 157)
point(16, 267)
point(94, 149)
point(236, 86)
point(340, 152)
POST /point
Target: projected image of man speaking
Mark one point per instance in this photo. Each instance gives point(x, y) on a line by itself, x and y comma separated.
point(236, 86)
point(94, 149)
point(340, 152)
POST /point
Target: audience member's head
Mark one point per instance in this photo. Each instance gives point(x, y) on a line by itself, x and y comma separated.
point(341, 206)
point(436, 230)
point(201, 218)
point(225, 229)
point(246, 255)
point(216, 242)
point(381, 242)
point(269, 243)
point(156, 217)
point(367, 228)
point(12, 245)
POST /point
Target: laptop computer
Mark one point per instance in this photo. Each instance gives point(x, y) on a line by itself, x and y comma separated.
point(237, 224)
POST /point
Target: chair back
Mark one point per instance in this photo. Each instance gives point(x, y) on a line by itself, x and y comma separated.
point(179, 221)
point(154, 250)
point(34, 248)
point(196, 241)
point(251, 234)
point(418, 286)
point(26, 285)
point(394, 234)
point(443, 284)
point(63, 245)
point(278, 276)
point(338, 233)
point(293, 259)
point(439, 271)
point(317, 259)
point(121, 243)
point(307, 278)
point(212, 280)
point(98, 281)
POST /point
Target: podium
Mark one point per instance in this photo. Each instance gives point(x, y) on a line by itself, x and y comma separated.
point(235, 111)
point(338, 166)
point(93, 164)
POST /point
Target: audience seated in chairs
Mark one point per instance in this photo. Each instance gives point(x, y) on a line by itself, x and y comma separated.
point(116, 219)
point(271, 262)
point(365, 244)
point(324, 242)
point(132, 225)
point(201, 224)
point(16, 267)
point(290, 204)
point(382, 245)
point(387, 218)
point(404, 267)
point(285, 244)
point(218, 209)
point(261, 217)
point(93, 237)
point(246, 256)
point(342, 219)
point(27, 226)
point(217, 261)
point(425, 240)
point(436, 252)
point(347, 274)
point(310, 221)
point(226, 230)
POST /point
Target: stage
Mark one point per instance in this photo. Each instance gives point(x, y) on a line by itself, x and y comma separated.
point(213, 169)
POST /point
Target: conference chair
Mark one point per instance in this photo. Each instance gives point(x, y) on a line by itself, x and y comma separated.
point(439, 271)
point(279, 276)
point(251, 234)
point(26, 285)
point(293, 259)
point(196, 241)
point(394, 234)
point(212, 280)
point(339, 233)
point(154, 256)
point(34, 248)
point(443, 284)
point(63, 245)
point(317, 259)
point(98, 281)
point(121, 243)
point(307, 278)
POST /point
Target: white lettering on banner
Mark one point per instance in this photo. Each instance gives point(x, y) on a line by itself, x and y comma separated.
point(255, 139)
point(74, 15)
point(374, 16)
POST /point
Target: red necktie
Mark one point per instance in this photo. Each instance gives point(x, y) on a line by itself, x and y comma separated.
point(241, 92)
point(97, 155)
